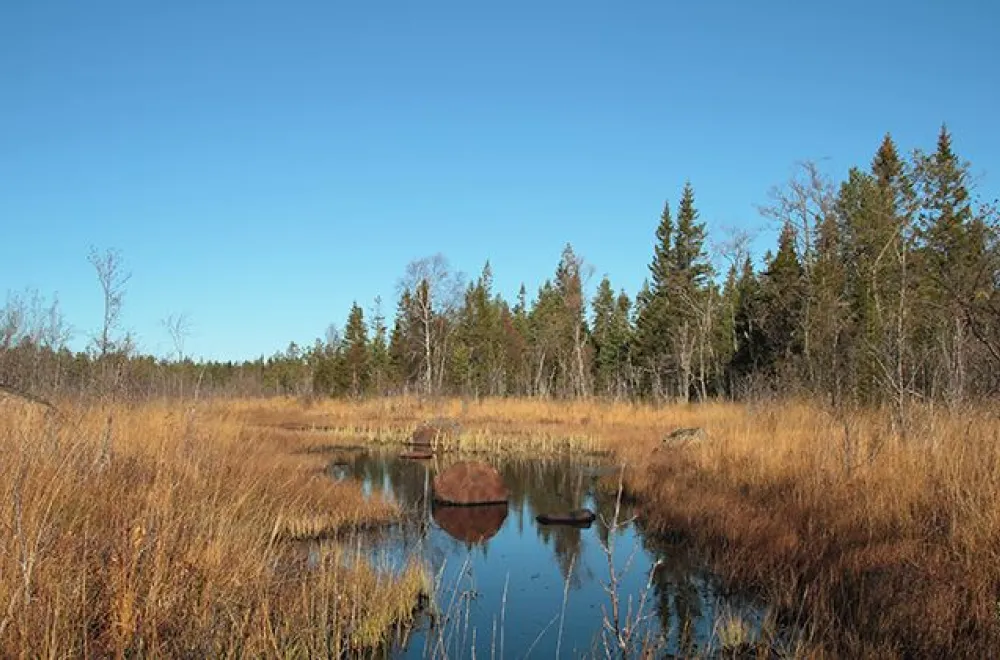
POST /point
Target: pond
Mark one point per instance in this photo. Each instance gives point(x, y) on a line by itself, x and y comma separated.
point(509, 587)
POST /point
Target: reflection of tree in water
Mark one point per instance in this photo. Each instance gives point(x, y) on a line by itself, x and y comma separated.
point(403, 480)
point(676, 586)
point(546, 486)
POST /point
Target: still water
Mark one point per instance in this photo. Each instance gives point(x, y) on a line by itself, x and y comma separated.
point(508, 587)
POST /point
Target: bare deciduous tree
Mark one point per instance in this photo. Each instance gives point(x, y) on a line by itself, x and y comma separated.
point(178, 326)
point(113, 277)
point(436, 294)
point(802, 203)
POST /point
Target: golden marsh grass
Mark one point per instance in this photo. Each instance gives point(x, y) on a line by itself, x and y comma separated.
point(173, 539)
point(169, 539)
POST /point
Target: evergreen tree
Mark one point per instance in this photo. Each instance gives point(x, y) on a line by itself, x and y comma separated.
point(866, 234)
point(953, 253)
point(751, 341)
point(782, 305)
point(378, 354)
point(479, 347)
point(569, 284)
point(830, 309)
point(355, 351)
point(610, 339)
point(405, 348)
point(690, 297)
point(654, 320)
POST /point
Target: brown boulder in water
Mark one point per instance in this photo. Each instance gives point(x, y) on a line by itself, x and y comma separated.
point(470, 482)
point(578, 517)
point(471, 524)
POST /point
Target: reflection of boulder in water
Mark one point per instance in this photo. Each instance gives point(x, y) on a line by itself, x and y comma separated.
point(576, 517)
point(470, 482)
point(471, 524)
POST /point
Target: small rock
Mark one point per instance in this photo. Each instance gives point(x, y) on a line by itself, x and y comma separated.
point(434, 430)
point(686, 436)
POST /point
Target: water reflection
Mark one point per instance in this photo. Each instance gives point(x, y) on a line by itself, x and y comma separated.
point(471, 524)
point(508, 587)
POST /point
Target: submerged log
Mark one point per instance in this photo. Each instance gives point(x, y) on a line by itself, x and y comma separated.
point(578, 517)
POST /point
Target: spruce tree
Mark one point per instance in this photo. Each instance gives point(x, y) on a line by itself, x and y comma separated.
point(355, 350)
point(378, 351)
point(782, 307)
point(605, 310)
point(654, 320)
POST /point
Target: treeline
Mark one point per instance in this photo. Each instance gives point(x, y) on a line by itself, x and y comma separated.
point(882, 289)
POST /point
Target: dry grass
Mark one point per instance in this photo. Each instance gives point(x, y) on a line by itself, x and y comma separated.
point(174, 543)
point(168, 535)
point(877, 544)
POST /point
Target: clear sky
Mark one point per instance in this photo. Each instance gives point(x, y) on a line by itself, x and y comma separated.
point(262, 164)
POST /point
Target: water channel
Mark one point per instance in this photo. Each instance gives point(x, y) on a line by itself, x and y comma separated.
point(509, 587)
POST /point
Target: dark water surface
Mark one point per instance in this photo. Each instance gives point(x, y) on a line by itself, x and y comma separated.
point(508, 587)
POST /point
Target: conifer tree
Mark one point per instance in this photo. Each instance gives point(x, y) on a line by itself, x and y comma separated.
point(355, 351)
point(611, 337)
point(378, 354)
point(689, 298)
point(782, 306)
point(952, 252)
point(654, 321)
point(750, 339)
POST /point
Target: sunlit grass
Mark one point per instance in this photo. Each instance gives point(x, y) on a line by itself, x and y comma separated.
point(167, 529)
point(878, 540)
point(162, 530)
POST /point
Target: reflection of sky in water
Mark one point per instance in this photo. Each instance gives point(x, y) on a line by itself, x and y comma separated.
point(529, 564)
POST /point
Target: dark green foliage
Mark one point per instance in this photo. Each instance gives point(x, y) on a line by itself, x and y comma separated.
point(611, 341)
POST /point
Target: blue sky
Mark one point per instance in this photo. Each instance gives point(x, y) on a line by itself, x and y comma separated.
point(262, 164)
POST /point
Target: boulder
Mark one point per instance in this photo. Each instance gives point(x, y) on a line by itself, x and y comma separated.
point(417, 455)
point(434, 430)
point(470, 482)
point(471, 524)
point(576, 517)
point(685, 436)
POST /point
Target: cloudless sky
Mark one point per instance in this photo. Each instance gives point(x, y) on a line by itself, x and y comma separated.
point(261, 165)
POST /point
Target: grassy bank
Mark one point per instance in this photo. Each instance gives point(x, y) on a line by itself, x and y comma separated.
point(881, 544)
point(163, 530)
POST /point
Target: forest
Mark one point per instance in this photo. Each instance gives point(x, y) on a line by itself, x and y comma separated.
point(881, 291)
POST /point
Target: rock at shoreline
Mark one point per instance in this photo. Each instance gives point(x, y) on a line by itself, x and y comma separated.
point(684, 437)
point(434, 431)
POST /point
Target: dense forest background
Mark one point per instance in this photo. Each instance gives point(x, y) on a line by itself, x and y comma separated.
point(882, 290)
